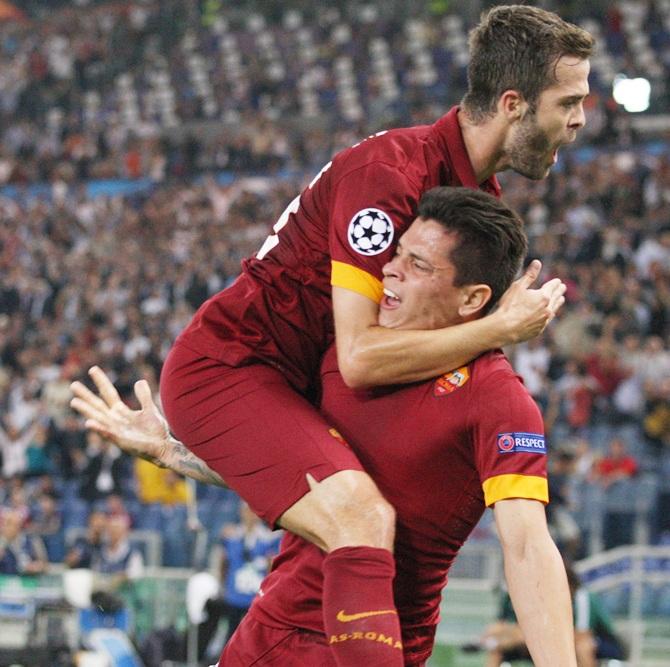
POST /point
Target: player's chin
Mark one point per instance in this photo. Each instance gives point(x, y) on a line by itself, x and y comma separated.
point(534, 172)
point(388, 319)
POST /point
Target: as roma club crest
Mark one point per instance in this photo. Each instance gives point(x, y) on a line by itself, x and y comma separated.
point(451, 381)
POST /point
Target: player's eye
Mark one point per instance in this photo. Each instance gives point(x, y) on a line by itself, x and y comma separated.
point(568, 104)
point(421, 266)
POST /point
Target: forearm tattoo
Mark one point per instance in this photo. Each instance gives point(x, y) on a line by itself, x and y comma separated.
point(184, 462)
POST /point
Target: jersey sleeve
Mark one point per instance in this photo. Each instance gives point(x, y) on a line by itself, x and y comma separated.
point(510, 449)
point(370, 208)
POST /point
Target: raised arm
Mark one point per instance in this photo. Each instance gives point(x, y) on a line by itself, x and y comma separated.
point(537, 582)
point(370, 355)
point(142, 433)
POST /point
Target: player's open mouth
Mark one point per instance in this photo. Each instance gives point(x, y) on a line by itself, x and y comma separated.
point(390, 300)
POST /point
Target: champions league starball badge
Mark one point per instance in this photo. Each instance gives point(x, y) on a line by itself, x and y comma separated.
point(370, 231)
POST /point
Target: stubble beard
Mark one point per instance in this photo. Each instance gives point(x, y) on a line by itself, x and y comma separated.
point(530, 150)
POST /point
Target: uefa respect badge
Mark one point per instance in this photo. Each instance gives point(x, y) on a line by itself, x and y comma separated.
point(521, 442)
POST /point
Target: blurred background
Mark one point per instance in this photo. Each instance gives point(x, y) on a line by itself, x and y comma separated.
point(146, 147)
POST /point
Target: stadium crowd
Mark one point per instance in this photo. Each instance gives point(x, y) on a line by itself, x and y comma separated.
point(110, 279)
point(89, 91)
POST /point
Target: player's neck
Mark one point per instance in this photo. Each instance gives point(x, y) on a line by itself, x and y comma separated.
point(484, 143)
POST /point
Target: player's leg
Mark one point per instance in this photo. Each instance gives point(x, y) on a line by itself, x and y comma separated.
point(355, 526)
point(346, 509)
point(275, 450)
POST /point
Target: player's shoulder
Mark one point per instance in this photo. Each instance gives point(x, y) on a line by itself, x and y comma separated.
point(498, 387)
point(394, 147)
point(493, 369)
point(491, 362)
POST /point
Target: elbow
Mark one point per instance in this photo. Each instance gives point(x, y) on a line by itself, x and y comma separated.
point(355, 373)
point(529, 549)
point(355, 379)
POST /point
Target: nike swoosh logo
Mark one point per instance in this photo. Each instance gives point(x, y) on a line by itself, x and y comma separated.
point(347, 618)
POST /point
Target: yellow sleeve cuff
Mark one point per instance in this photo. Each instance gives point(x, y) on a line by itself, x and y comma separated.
point(356, 280)
point(503, 487)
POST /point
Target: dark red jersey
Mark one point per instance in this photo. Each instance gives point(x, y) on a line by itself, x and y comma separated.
point(440, 451)
point(345, 222)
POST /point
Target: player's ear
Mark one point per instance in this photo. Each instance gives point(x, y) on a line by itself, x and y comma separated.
point(512, 105)
point(473, 299)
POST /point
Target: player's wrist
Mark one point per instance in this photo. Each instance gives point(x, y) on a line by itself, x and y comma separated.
point(163, 450)
point(498, 331)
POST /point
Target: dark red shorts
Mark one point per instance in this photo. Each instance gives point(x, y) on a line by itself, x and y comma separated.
point(257, 644)
point(250, 426)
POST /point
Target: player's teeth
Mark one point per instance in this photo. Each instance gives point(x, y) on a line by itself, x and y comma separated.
point(390, 294)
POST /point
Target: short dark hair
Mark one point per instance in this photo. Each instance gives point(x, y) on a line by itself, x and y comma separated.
point(516, 47)
point(491, 240)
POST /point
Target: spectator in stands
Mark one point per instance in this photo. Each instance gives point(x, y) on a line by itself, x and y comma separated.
point(67, 446)
point(20, 552)
point(46, 523)
point(104, 472)
point(37, 458)
point(585, 459)
point(159, 485)
point(654, 253)
point(604, 367)
point(13, 446)
point(45, 518)
point(114, 507)
point(244, 554)
point(118, 557)
point(657, 417)
point(531, 361)
point(18, 499)
point(571, 398)
point(616, 465)
point(119, 564)
point(85, 552)
point(628, 398)
point(595, 637)
point(562, 524)
point(655, 363)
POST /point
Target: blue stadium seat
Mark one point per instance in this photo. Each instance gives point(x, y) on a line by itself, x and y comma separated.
point(149, 517)
point(55, 546)
point(75, 513)
point(177, 538)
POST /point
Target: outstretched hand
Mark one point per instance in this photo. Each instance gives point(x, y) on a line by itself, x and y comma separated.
point(142, 433)
point(526, 312)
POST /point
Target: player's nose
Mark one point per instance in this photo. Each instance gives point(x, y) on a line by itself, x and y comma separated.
point(578, 119)
point(392, 268)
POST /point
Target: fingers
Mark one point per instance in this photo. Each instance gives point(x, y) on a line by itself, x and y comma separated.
point(531, 274)
point(106, 389)
point(90, 411)
point(551, 286)
point(93, 425)
point(556, 303)
point(86, 396)
point(554, 291)
point(143, 393)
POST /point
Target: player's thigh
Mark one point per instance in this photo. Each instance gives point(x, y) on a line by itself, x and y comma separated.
point(249, 425)
point(258, 645)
